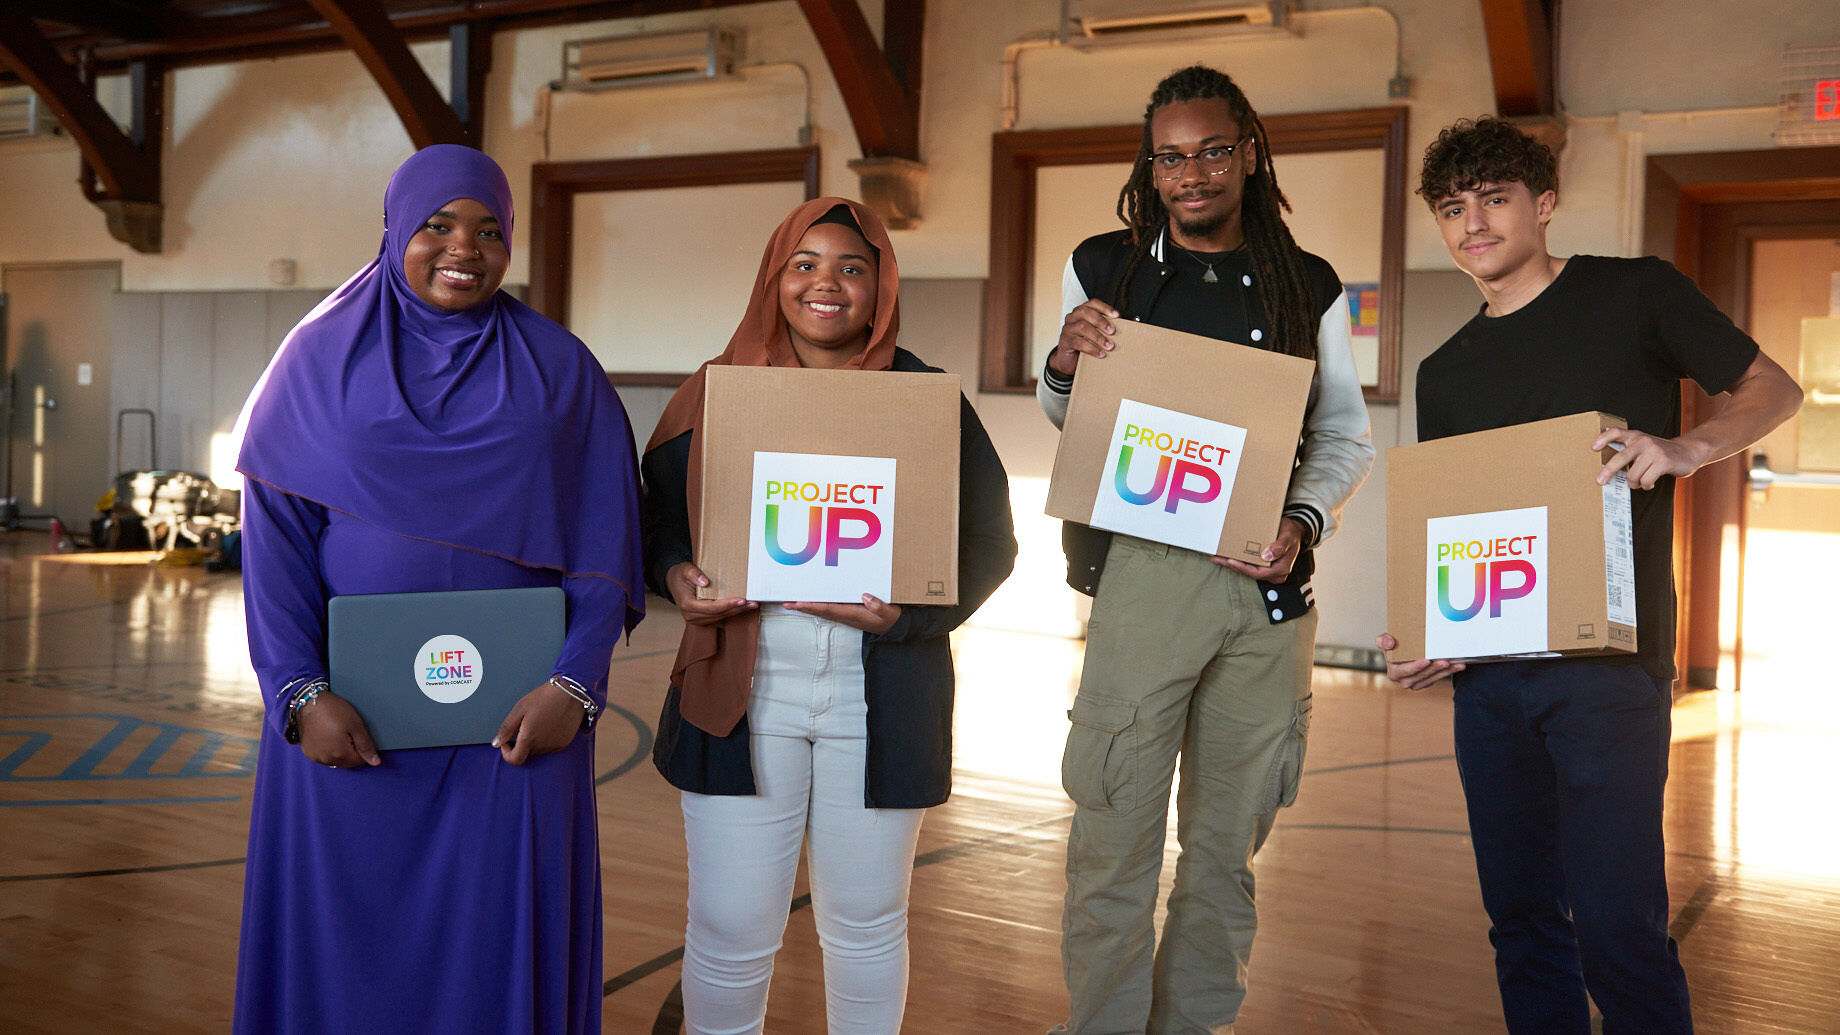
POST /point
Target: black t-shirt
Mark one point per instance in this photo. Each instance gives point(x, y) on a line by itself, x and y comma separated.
point(1173, 292)
point(1616, 335)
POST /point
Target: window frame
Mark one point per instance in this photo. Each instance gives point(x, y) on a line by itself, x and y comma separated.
point(1016, 158)
point(554, 186)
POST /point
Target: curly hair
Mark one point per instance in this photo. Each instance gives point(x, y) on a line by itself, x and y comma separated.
point(1277, 262)
point(1470, 153)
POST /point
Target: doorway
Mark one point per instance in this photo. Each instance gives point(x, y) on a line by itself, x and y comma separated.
point(1789, 528)
point(56, 361)
point(1705, 212)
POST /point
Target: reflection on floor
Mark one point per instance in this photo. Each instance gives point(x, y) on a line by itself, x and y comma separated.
point(127, 724)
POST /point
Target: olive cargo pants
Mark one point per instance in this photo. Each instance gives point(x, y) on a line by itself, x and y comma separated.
point(1182, 659)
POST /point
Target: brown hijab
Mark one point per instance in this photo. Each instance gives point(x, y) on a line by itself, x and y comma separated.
point(714, 670)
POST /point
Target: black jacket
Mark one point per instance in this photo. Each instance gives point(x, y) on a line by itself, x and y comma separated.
point(1099, 263)
point(907, 670)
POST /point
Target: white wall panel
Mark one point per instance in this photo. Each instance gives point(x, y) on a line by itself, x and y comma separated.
point(661, 277)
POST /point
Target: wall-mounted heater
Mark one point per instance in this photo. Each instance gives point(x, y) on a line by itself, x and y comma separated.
point(23, 114)
point(1092, 22)
point(650, 58)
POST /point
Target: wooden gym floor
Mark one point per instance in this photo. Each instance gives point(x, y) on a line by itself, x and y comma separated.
point(127, 725)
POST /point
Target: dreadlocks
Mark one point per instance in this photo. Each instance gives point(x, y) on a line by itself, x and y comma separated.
point(1277, 263)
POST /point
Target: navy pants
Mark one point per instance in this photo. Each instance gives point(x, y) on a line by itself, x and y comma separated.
point(1563, 764)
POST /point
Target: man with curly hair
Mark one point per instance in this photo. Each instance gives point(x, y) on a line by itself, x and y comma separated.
point(1188, 655)
point(1563, 761)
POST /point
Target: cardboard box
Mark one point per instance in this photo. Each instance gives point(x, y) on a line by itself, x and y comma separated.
point(1501, 544)
point(828, 484)
point(1182, 440)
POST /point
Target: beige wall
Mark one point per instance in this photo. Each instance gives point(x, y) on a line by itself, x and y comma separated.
point(288, 158)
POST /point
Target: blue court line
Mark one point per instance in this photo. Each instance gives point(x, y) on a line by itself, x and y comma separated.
point(1373, 828)
point(640, 750)
point(141, 766)
point(1379, 765)
point(30, 669)
point(124, 801)
point(77, 609)
point(123, 871)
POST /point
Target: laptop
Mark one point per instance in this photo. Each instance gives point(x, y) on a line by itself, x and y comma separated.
point(440, 669)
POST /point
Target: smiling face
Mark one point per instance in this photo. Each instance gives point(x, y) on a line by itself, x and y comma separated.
point(1204, 210)
point(458, 258)
point(1496, 232)
point(827, 292)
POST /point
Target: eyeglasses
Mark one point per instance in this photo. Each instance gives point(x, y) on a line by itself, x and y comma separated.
point(1168, 165)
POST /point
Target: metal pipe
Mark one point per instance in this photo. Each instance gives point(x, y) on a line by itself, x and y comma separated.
point(1012, 74)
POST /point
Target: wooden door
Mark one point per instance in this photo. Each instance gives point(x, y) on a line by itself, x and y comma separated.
point(1789, 533)
point(58, 320)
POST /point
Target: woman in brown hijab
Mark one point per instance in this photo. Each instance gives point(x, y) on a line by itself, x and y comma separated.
point(827, 724)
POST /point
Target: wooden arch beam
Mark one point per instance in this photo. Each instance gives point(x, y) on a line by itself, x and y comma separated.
point(127, 168)
point(1520, 56)
point(365, 27)
point(885, 115)
point(128, 22)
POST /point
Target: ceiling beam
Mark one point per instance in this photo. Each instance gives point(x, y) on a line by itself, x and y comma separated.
point(128, 168)
point(253, 37)
point(1520, 56)
point(365, 28)
point(469, 52)
point(903, 33)
point(886, 120)
point(121, 167)
point(124, 20)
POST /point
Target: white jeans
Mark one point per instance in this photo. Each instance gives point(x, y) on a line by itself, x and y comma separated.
point(807, 721)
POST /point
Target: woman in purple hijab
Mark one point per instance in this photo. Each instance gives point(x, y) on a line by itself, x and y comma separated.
point(421, 431)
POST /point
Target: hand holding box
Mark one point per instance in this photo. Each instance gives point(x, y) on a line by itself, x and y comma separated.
point(1182, 439)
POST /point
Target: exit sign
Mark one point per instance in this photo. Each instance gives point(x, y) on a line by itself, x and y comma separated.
point(1808, 111)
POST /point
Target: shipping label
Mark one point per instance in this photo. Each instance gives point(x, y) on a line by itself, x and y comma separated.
point(1619, 551)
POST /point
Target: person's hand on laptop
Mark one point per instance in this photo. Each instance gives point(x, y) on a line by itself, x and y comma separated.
point(332, 733)
point(683, 580)
point(543, 722)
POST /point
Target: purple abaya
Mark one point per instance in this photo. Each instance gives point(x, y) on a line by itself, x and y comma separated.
point(394, 448)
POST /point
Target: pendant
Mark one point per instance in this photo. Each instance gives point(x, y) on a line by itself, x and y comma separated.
point(1209, 277)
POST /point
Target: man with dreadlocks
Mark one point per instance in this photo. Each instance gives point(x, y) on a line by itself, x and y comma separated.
point(1564, 760)
point(1187, 655)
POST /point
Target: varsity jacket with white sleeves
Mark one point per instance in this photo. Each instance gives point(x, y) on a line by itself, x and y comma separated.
point(1335, 451)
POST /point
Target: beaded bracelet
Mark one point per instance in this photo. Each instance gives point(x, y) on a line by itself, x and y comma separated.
point(301, 697)
point(582, 697)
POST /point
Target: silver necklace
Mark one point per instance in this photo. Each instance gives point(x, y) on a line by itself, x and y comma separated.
point(1208, 277)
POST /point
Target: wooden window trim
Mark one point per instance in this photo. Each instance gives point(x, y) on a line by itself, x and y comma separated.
point(1017, 157)
point(554, 185)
